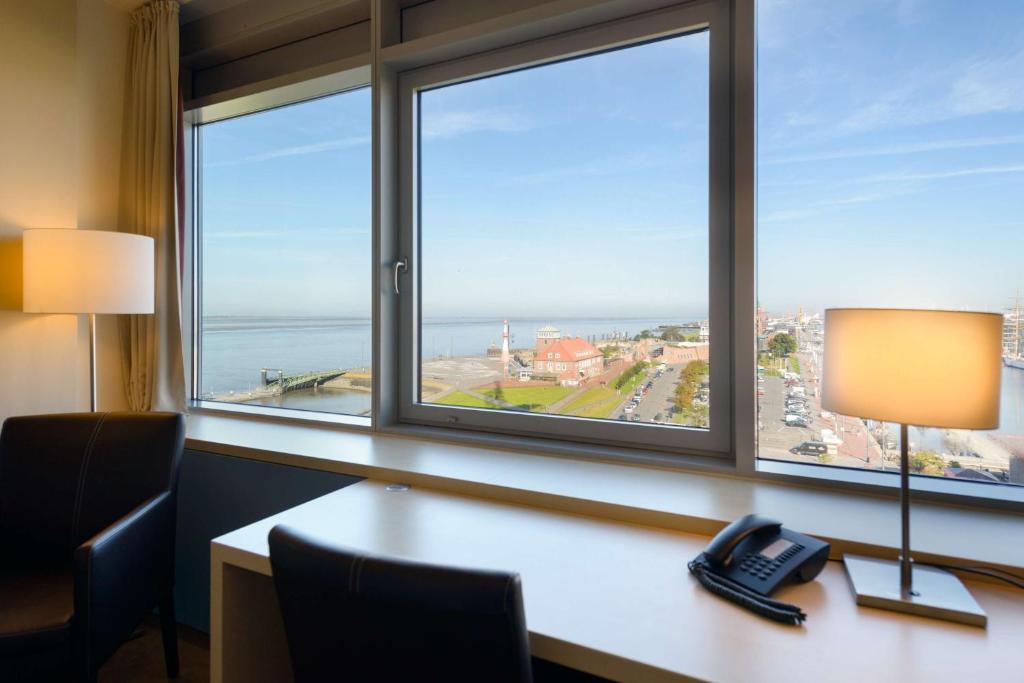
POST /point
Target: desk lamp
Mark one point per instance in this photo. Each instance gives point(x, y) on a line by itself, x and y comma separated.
point(925, 368)
point(87, 271)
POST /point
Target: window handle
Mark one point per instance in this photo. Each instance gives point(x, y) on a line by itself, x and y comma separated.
point(400, 264)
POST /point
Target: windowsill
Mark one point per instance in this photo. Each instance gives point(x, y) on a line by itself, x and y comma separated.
point(243, 410)
point(699, 502)
point(966, 492)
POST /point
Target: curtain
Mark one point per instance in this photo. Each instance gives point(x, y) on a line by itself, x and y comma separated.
point(151, 349)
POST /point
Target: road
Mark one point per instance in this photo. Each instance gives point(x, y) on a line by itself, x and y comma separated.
point(660, 398)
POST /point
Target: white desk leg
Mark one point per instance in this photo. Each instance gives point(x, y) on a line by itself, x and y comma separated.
point(247, 639)
point(216, 616)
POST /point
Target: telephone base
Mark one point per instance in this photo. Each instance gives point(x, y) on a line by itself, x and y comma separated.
point(937, 593)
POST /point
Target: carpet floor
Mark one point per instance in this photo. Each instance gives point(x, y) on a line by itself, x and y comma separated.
point(141, 659)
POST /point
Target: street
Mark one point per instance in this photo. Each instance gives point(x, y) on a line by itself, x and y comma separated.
point(661, 397)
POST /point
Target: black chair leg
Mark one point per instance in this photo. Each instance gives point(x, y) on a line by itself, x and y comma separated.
point(169, 628)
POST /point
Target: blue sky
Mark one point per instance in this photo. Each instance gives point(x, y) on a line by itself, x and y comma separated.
point(891, 153)
point(891, 172)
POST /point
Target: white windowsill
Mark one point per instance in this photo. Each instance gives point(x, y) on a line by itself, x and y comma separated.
point(690, 501)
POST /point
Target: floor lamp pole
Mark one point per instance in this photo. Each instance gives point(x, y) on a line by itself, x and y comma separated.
point(906, 566)
point(92, 362)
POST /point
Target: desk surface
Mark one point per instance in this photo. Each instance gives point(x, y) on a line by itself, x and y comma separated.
point(615, 599)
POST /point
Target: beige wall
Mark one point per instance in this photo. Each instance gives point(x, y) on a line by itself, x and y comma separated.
point(61, 69)
point(102, 49)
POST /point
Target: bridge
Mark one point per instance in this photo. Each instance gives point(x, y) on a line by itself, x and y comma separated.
point(307, 380)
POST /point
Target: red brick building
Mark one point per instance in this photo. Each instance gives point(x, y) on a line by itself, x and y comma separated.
point(570, 359)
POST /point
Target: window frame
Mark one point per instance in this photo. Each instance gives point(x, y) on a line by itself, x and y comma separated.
point(192, 253)
point(716, 441)
point(389, 61)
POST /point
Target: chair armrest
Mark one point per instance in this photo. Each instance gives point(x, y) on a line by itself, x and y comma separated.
point(120, 574)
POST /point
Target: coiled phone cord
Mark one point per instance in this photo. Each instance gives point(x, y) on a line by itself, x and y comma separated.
point(782, 612)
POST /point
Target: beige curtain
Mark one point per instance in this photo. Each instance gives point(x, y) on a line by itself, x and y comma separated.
point(151, 344)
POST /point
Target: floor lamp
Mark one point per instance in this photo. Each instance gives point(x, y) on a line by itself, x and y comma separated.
point(87, 271)
point(914, 367)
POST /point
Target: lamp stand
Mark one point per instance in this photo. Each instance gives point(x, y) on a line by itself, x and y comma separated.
point(903, 587)
point(92, 362)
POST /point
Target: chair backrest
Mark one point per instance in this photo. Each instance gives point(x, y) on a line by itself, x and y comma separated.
point(64, 478)
point(349, 616)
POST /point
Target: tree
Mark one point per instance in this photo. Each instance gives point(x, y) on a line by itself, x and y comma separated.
point(782, 344)
point(926, 462)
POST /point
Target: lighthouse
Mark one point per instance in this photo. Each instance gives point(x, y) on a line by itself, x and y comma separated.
point(505, 355)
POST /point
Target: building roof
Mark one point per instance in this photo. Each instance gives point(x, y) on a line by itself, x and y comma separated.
point(548, 328)
point(965, 473)
point(569, 348)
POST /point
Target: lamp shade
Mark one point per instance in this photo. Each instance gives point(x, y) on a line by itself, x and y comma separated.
point(87, 271)
point(915, 367)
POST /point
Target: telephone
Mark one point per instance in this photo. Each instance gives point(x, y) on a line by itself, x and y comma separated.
point(749, 559)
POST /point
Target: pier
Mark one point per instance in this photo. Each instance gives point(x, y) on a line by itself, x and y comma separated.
point(282, 384)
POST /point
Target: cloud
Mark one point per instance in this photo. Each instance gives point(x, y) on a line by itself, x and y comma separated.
point(660, 233)
point(815, 208)
point(984, 86)
point(275, 233)
point(991, 85)
point(942, 175)
point(452, 124)
point(299, 150)
point(899, 150)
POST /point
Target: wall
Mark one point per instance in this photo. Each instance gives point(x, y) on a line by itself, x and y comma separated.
point(102, 53)
point(60, 110)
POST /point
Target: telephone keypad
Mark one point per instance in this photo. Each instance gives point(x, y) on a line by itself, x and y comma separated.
point(762, 567)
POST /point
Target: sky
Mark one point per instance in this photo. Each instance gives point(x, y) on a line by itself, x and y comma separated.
point(890, 173)
point(891, 153)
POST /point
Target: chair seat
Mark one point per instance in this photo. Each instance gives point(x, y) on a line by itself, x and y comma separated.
point(36, 607)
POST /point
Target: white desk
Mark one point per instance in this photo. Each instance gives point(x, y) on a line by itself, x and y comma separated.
point(610, 598)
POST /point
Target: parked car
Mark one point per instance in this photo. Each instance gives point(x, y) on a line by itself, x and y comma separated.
point(810, 448)
point(796, 420)
point(629, 408)
point(636, 418)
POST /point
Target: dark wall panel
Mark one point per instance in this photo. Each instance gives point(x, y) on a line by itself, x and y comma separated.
point(218, 494)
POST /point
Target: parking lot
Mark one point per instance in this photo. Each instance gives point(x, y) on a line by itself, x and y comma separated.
point(775, 438)
point(659, 400)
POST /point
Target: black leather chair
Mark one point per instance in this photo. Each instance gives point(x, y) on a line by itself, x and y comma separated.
point(87, 515)
point(349, 616)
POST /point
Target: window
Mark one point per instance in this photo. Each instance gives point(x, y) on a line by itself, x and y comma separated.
point(607, 158)
point(890, 162)
point(283, 237)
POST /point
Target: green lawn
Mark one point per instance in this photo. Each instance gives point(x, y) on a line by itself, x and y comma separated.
point(461, 398)
point(600, 410)
point(595, 395)
point(596, 402)
point(530, 398)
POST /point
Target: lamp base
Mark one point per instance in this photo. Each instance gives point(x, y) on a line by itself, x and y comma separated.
point(937, 593)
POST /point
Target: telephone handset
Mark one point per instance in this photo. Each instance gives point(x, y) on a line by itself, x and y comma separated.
point(752, 557)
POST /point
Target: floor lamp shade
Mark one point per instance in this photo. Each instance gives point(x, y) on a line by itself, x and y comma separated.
point(87, 271)
point(916, 367)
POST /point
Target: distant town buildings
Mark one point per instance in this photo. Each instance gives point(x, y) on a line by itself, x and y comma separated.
point(570, 360)
point(547, 336)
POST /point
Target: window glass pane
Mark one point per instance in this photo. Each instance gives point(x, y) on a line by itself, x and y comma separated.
point(564, 237)
point(890, 168)
point(285, 238)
